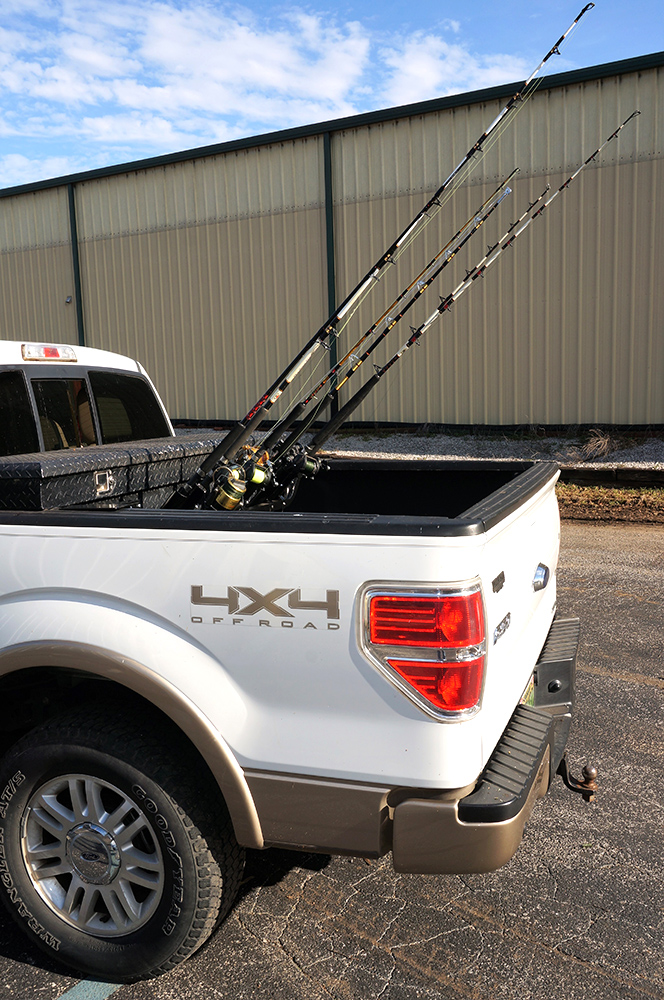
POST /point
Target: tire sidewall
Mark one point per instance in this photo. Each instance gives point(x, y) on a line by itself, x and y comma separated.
point(132, 955)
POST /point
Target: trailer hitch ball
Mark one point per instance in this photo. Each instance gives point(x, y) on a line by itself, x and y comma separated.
point(586, 786)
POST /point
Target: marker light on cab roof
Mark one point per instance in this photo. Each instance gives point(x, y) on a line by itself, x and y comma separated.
point(48, 352)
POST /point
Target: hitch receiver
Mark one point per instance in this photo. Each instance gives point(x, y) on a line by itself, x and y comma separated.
point(586, 786)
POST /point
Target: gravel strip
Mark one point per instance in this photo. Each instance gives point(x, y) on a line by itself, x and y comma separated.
point(594, 451)
point(648, 454)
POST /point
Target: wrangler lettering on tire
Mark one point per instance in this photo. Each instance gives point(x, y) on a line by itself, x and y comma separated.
point(111, 852)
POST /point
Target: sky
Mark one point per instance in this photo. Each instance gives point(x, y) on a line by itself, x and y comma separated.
point(91, 83)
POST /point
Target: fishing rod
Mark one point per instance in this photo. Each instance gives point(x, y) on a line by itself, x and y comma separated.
point(195, 490)
point(435, 267)
point(229, 483)
point(353, 299)
point(293, 466)
point(302, 459)
point(389, 318)
point(255, 465)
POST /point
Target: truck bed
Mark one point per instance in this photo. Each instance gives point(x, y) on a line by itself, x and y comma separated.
point(365, 495)
point(311, 698)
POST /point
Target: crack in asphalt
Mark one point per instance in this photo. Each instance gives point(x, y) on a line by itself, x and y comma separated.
point(473, 911)
point(392, 921)
point(400, 954)
point(622, 675)
point(288, 959)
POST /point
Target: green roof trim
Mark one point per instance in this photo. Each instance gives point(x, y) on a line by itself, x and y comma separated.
point(618, 68)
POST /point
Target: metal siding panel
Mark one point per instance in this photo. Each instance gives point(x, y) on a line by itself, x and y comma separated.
point(244, 184)
point(211, 311)
point(569, 335)
point(560, 330)
point(34, 286)
point(36, 273)
point(209, 272)
point(34, 220)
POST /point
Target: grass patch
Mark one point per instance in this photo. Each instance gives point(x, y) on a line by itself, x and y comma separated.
point(644, 504)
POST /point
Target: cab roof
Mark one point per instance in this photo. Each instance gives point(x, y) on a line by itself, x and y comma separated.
point(33, 352)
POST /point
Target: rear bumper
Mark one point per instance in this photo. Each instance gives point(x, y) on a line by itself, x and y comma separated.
point(482, 831)
point(429, 831)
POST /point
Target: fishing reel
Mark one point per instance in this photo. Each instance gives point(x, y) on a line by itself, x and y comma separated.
point(229, 488)
point(296, 464)
point(283, 478)
point(230, 482)
point(302, 462)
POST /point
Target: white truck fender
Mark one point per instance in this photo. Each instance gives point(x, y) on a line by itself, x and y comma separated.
point(113, 639)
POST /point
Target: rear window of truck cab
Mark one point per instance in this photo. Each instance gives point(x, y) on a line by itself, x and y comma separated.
point(18, 433)
point(127, 408)
point(48, 413)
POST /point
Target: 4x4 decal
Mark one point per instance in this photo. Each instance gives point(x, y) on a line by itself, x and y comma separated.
point(242, 603)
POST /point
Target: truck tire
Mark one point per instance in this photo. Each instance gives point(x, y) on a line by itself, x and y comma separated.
point(116, 855)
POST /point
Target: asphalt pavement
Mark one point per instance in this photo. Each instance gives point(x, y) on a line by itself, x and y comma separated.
point(577, 914)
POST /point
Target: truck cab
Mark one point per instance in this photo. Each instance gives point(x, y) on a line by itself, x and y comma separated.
point(56, 396)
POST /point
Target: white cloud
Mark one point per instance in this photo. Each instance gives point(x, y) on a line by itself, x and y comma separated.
point(18, 169)
point(97, 58)
point(152, 130)
point(426, 66)
point(301, 58)
point(135, 78)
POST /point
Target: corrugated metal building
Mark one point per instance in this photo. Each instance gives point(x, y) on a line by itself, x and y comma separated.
point(213, 266)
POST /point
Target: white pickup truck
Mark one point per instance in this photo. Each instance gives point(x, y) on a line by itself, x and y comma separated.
point(376, 669)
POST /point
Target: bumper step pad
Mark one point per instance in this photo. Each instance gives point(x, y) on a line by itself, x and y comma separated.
point(513, 767)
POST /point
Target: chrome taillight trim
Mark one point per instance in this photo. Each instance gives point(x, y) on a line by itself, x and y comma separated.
point(378, 655)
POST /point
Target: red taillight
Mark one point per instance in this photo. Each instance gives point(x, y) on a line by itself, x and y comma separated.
point(451, 687)
point(446, 630)
point(439, 621)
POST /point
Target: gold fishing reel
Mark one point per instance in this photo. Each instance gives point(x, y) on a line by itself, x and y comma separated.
point(232, 480)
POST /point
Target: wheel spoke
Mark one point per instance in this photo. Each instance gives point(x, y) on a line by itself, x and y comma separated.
point(57, 866)
point(126, 835)
point(36, 853)
point(139, 876)
point(48, 823)
point(77, 793)
point(96, 810)
point(115, 821)
point(73, 895)
point(121, 910)
point(89, 903)
point(133, 858)
point(52, 815)
point(127, 898)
